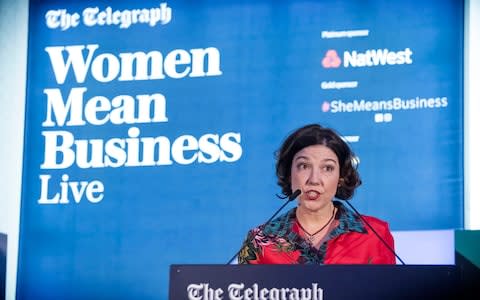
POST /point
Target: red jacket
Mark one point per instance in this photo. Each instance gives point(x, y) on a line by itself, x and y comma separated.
point(350, 242)
point(361, 248)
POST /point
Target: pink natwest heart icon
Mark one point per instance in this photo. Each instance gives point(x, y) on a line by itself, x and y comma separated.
point(331, 59)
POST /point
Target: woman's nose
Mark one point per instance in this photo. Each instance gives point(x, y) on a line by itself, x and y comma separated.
point(315, 177)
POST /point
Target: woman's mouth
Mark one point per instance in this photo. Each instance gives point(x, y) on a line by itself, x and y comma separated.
point(312, 195)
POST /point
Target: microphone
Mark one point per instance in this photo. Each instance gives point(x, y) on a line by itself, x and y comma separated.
point(373, 230)
point(289, 199)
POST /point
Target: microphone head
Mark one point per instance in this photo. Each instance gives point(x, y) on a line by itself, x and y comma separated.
point(294, 195)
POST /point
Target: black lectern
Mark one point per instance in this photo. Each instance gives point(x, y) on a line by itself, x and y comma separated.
point(329, 282)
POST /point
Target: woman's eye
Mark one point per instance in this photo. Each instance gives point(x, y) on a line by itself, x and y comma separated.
point(329, 168)
point(302, 166)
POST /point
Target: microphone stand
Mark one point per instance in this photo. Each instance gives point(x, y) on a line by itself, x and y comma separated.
point(373, 230)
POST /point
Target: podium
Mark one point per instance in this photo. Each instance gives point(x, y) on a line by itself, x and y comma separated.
point(326, 282)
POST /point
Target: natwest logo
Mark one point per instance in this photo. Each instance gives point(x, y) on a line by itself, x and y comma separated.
point(331, 60)
point(369, 58)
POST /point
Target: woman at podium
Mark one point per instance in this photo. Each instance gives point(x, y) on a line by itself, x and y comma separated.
point(315, 162)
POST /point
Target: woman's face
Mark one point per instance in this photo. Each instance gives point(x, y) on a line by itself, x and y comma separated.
point(316, 172)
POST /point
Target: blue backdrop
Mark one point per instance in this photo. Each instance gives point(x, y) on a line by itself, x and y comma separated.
point(151, 127)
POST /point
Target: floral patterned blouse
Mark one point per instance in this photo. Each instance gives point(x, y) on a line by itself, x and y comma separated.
point(350, 242)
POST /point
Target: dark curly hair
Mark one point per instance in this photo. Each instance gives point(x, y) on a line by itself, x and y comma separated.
point(315, 134)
